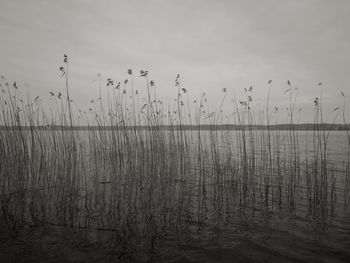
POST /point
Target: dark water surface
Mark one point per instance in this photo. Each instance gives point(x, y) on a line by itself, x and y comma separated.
point(223, 196)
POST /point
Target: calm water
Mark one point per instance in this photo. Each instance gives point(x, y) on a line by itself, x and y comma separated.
point(337, 144)
point(253, 217)
point(297, 235)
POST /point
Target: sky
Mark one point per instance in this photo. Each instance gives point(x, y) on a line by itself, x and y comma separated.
point(212, 44)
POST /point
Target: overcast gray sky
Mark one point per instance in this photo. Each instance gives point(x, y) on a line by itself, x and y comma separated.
point(213, 44)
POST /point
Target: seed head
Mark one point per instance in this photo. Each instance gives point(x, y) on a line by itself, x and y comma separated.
point(143, 73)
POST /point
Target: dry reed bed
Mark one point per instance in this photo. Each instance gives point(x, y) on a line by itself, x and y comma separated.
point(150, 183)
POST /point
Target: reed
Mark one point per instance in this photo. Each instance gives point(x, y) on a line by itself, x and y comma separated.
point(145, 173)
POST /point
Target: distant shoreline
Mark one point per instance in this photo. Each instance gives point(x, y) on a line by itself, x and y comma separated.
point(298, 127)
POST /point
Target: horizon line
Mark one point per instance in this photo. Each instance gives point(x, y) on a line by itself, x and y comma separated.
point(286, 126)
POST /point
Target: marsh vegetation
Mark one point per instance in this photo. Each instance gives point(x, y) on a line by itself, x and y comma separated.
point(147, 176)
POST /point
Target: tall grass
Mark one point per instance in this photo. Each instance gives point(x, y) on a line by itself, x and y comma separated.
point(140, 172)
